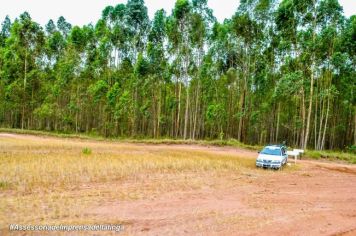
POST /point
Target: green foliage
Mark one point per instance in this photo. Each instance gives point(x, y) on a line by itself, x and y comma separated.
point(181, 9)
point(98, 90)
point(4, 185)
point(273, 71)
point(45, 111)
point(86, 151)
point(352, 149)
point(332, 156)
point(214, 113)
point(289, 84)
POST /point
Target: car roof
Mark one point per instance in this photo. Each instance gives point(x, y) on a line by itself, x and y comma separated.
point(275, 146)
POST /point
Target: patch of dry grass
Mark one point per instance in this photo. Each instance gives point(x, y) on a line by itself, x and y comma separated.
point(46, 180)
point(50, 180)
point(41, 168)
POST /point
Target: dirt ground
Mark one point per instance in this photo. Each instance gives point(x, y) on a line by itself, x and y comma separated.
point(318, 198)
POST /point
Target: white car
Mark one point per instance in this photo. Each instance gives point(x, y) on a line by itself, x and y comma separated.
point(272, 156)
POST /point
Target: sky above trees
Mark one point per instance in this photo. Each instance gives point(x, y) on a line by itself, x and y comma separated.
point(44, 10)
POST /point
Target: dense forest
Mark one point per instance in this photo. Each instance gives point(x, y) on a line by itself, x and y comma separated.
point(274, 71)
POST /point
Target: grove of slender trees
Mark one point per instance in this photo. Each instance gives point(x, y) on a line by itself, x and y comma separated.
point(274, 71)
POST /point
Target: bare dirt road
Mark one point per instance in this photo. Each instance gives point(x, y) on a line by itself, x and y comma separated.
point(317, 198)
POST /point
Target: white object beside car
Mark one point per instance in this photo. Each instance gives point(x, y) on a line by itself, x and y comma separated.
point(272, 156)
point(294, 154)
point(300, 152)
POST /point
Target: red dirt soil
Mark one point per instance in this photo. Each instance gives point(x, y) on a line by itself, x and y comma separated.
point(317, 199)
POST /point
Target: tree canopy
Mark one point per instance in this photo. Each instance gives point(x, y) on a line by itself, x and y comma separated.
point(275, 71)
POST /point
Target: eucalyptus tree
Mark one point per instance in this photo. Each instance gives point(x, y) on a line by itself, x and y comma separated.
point(246, 32)
point(5, 30)
point(47, 112)
point(158, 60)
point(63, 26)
point(266, 71)
point(138, 24)
point(290, 18)
point(179, 29)
point(202, 19)
point(22, 49)
point(347, 67)
point(182, 13)
point(275, 70)
point(330, 21)
point(113, 18)
point(4, 34)
point(310, 22)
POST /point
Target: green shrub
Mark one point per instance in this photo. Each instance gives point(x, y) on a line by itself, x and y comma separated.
point(332, 155)
point(86, 151)
point(352, 149)
point(4, 185)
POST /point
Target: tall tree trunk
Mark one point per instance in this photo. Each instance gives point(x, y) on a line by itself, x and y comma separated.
point(158, 131)
point(301, 143)
point(309, 111)
point(240, 118)
point(154, 111)
point(134, 125)
point(315, 121)
point(325, 125)
point(24, 93)
point(76, 112)
point(311, 84)
point(196, 110)
point(241, 110)
point(355, 126)
point(322, 105)
point(186, 114)
point(179, 104)
point(278, 119)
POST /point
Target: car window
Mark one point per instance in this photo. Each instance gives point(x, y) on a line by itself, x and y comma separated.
point(271, 151)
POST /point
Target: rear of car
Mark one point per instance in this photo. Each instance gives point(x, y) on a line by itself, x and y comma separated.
point(272, 156)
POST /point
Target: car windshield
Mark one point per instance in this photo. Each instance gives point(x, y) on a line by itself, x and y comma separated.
point(271, 151)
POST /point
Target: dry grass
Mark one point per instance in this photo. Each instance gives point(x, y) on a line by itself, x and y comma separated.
point(51, 180)
point(31, 167)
